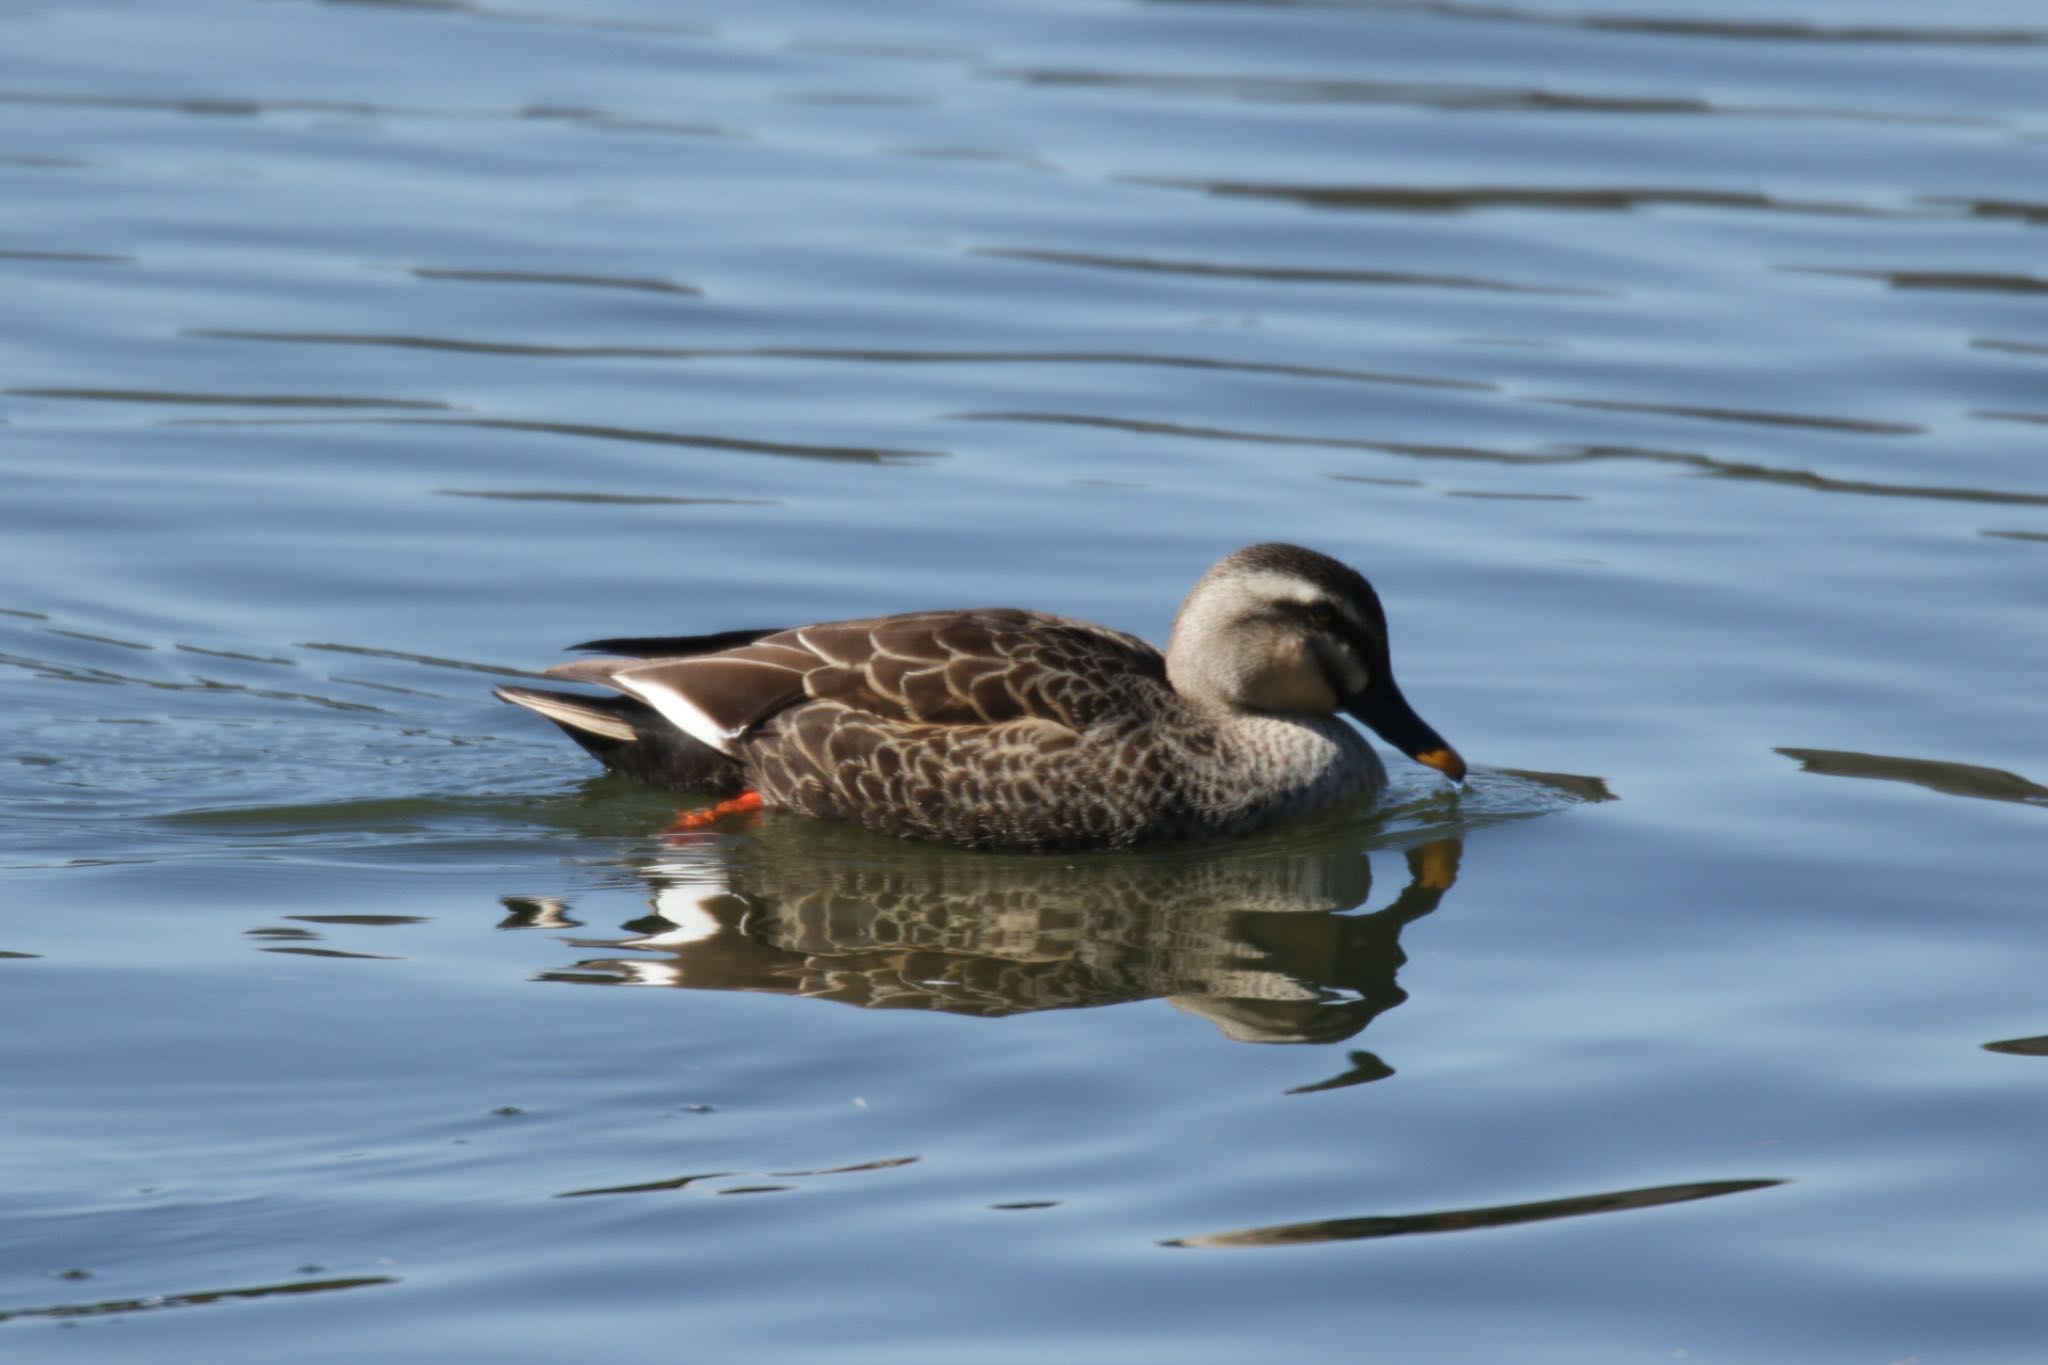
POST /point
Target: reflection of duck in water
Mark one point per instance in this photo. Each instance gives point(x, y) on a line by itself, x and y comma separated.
point(1006, 729)
point(1250, 942)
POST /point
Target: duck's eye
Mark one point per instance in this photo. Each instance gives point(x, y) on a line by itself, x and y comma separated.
point(1322, 615)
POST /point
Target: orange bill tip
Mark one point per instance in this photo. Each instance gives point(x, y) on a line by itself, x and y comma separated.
point(1444, 760)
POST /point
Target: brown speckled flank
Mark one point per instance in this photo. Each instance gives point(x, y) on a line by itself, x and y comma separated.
point(1009, 729)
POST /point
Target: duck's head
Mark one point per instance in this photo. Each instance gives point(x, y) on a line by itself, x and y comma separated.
point(1283, 630)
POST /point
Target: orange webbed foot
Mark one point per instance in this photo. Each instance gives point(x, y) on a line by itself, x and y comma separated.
point(743, 804)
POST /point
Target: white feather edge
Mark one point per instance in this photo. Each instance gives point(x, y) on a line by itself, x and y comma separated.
point(557, 709)
point(678, 709)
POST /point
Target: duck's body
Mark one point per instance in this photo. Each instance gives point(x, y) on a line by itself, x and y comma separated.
point(1020, 730)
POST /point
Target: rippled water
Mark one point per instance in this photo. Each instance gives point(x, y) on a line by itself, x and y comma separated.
point(1678, 371)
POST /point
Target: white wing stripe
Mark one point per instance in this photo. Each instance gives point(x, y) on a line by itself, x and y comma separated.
point(680, 711)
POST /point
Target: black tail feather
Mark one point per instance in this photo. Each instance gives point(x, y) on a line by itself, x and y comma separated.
point(675, 646)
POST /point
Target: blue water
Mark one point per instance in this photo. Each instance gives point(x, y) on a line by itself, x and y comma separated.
point(1678, 372)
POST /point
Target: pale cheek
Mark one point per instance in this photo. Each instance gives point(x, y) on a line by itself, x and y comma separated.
point(1298, 688)
point(1352, 674)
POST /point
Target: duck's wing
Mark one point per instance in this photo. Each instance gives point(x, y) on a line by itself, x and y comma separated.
point(927, 668)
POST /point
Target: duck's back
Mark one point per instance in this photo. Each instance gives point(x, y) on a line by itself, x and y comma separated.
point(969, 668)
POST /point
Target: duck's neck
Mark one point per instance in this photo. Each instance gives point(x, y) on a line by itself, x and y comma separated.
point(1291, 763)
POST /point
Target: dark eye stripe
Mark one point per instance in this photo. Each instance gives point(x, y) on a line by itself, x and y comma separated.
point(1327, 616)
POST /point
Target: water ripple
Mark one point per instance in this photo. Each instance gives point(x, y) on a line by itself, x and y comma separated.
point(230, 106)
point(850, 355)
point(618, 23)
point(2020, 1047)
point(602, 499)
point(1671, 26)
point(1468, 198)
point(1971, 281)
point(84, 257)
point(192, 1298)
point(85, 673)
point(598, 432)
point(1940, 775)
point(1572, 454)
point(644, 285)
point(1463, 1220)
point(1857, 425)
point(2028, 211)
point(1445, 96)
point(239, 400)
point(1280, 274)
point(430, 660)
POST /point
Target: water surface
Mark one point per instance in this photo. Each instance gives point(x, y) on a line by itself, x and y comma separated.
point(1676, 371)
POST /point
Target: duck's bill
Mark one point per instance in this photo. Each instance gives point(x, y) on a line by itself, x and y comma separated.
point(1387, 713)
point(1445, 760)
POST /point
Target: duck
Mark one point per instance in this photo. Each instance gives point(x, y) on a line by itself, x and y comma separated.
point(1022, 731)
